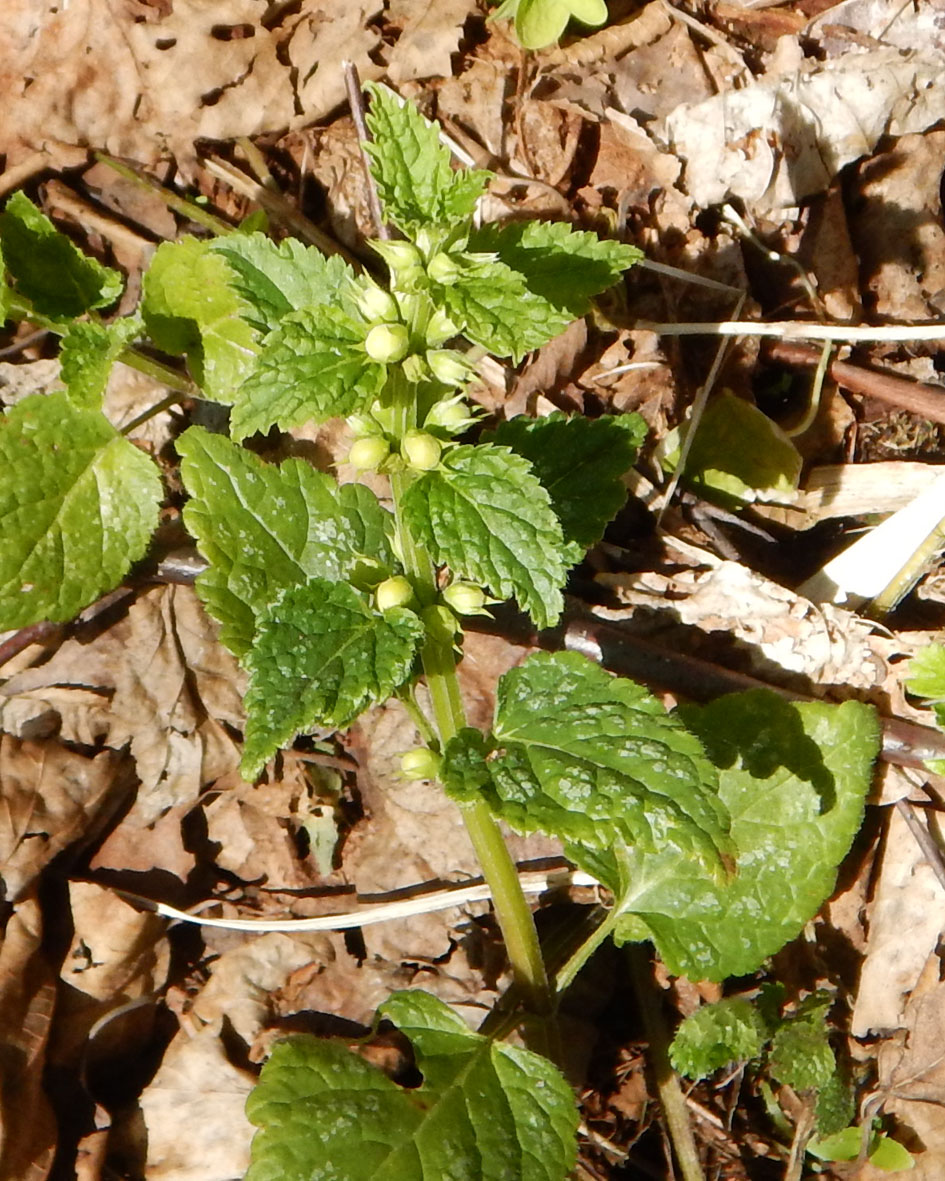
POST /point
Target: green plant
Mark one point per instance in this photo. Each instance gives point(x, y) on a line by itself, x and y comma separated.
point(716, 830)
point(539, 23)
point(793, 1049)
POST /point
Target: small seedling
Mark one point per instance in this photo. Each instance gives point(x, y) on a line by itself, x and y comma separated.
point(716, 831)
point(792, 1049)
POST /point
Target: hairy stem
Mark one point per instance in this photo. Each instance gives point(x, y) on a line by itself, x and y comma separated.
point(439, 666)
point(667, 1082)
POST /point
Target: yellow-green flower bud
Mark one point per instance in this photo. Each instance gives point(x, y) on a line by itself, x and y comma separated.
point(451, 415)
point(377, 304)
point(387, 343)
point(368, 454)
point(420, 763)
point(421, 450)
point(443, 268)
point(466, 598)
point(393, 592)
point(440, 329)
point(414, 369)
point(447, 366)
point(399, 256)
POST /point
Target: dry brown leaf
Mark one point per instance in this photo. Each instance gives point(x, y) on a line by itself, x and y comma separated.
point(904, 929)
point(430, 36)
point(325, 36)
point(197, 1086)
point(911, 1078)
point(784, 138)
point(156, 681)
point(118, 954)
point(257, 828)
point(895, 200)
point(96, 73)
point(27, 995)
point(193, 1110)
point(51, 797)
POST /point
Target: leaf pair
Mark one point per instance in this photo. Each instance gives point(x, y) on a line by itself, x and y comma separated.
point(283, 544)
point(594, 760)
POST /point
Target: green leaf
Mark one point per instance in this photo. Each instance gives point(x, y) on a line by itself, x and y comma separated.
point(539, 23)
point(836, 1103)
point(728, 1031)
point(274, 280)
point(321, 656)
point(412, 170)
point(801, 1056)
point(313, 367)
point(191, 306)
point(486, 1111)
point(793, 778)
point(265, 528)
point(592, 759)
point(494, 308)
point(485, 515)
point(927, 673)
point(580, 462)
point(890, 1156)
point(739, 455)
point(78, 505)
point(89, 350)
point(48, 268)
point(566, 267)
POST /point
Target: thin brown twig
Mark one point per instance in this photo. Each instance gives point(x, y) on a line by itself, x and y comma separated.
point(920, 398)
point(356, 102)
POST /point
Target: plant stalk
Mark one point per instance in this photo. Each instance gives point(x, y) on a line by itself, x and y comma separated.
point(667, 1082)
point(439, 666)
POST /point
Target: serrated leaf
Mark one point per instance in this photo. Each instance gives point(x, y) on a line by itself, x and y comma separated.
point(739, 455)
point(731, 1030)
point(594, 760)
point(801, 1057)
point(580, 462)
point(793, 778)
point(486, 1111)
point(485, 515)
point(78, 505)
point(320, 657)
point(89, 350)
point(412, 170)
point(836, 1103)
point(566, 267)
point(48, 268)
point(313, 367)
point(274, 280)
point(926, 677)
point(265, 528)
point(191, 306)
point(494, 308)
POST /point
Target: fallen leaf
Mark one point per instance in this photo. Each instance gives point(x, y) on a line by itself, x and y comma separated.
point(27, 995)
point(779, 140)
point(51, 796)
point(155, 681)
point(430, 33)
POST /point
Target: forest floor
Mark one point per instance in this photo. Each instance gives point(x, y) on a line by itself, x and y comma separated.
point(779, 163)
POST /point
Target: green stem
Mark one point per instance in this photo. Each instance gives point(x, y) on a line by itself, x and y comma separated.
point(667, 1082)
point(182, 205)
point(439, 666)
point(566, 976)
point(21, 309)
